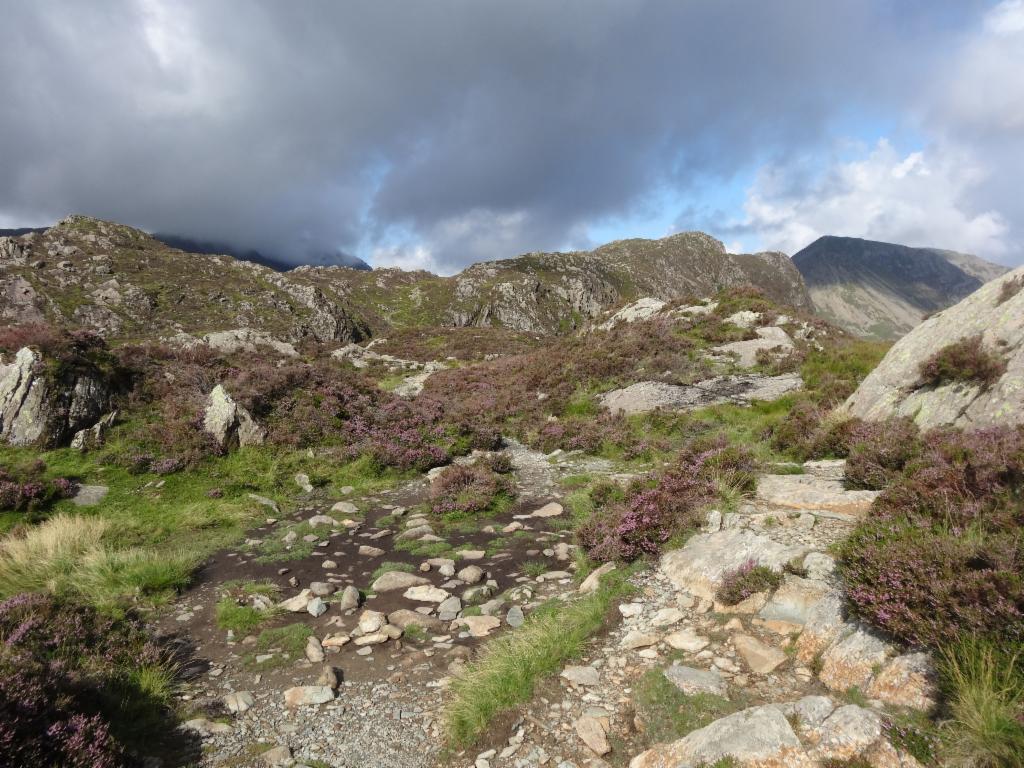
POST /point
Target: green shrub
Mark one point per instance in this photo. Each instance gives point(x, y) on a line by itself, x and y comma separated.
point(749, 579)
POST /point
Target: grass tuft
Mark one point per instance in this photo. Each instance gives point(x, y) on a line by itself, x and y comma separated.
point(512, 664)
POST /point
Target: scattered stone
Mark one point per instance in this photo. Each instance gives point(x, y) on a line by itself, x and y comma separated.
point(302, 480)
point(322, 588)
point(551, 509)
point(367, 551)
point(345, 507)
point(317, 520)
point(314, 650)
point(593, 580)
point(687, 640)
point(585, 676)
point(635, 639)
point(515, 617)
point(277, 756)
point(349, 599)
point(298, 603)
point(479, 626)
point(471, 574)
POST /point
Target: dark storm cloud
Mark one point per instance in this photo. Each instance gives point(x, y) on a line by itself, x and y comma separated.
point(469, 129)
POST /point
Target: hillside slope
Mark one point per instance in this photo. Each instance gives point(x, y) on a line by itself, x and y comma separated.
point(883, 290)
point(126, 284)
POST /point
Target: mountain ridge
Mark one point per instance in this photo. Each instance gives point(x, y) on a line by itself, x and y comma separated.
point(882, 290)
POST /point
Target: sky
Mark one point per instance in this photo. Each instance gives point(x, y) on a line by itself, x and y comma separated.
point(430, 135)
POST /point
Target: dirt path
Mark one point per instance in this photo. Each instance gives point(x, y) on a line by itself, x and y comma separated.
point(384, 711)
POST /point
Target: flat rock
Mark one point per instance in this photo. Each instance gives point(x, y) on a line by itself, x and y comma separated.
point(590, 584)
point(318, 520)
point(692, 681)
point(761, 658)
point(367, 551)
point(906, 681)
point(635, 639)
point(794, 600)
point(699, 566)
point(345, 507)
point(426, 593)
point(686, 640)
point(828, 498)
point(390, 581)
point(646, 396)
point(89, 495)
point(471, 574)
point(586, 676)
point(769, 339)
point(847, 733)
point(757, 736)
point(239, 702)
point(297, 603)
point(479, 626)
point(304, 695)
point(404, 618)
point(551, 509)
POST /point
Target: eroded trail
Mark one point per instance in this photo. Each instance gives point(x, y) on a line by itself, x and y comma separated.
point(380, 689)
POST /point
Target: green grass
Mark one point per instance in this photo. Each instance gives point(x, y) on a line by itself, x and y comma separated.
point(512, 664)
point(289, 639)
point(242, 619)
point(984, 691)
point(250, 587)
point(274, 549)
point(668, 714)
point(535, 568)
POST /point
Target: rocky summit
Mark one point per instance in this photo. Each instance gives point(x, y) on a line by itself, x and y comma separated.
point(637, 506)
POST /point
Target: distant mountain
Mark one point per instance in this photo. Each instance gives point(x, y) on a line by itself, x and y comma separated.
point(127, 284)
point(257, 257)
point(882, 290)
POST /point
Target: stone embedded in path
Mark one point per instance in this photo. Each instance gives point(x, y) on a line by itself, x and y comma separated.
point(317, 520)
point(635, 639)
point(847, 733)
point(852, 661)
point(371, 621)
point(551, 509)
point(239, 702)
point(426, 594)
point(794, 600)
point(755, 736)
point(277, 756)
point(304, 695)
point(823, 626)
point(404, 618)
point(297, 603)
point(471, 554)
point(479, 626)
point(322, 588)
point(349, 599)
point(411, 534)
point(686, 640)
point(699, 566)
point(345, 507)
point(828, 498)
point(515, 618)
point(471, 574)
point(367, 551)
point(692, 681)
point(587, 676)
point(449, 609)
point(666, 617)
point(591, 733)
point(390, 581)
point(316, 607)
point(761, 658)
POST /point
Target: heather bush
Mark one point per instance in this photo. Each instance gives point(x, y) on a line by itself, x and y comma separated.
point(1010, 289)
point(462, 491)
point(967, 360)
point(878, 451)
point(941, 553)
point(661, 506)
point(746, 580)
point(76, 688)
point(27, 488)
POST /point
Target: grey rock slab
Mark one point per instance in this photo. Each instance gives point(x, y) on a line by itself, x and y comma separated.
point(893, 387)
point(391, 581)
point(692, 681)
point(89, 495)
point(646, 396)
point(810, 493)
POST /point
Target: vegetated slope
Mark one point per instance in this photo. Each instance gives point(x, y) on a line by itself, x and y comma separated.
point(126, 284)
point(883, 290)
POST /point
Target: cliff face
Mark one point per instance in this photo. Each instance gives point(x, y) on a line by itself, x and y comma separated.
point(125, 284)
point(883, 290)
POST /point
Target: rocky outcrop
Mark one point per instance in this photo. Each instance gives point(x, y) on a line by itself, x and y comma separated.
point(882, 289)
point(228, 423)
point(44, 409)
point(995, 312)
point(647, 396)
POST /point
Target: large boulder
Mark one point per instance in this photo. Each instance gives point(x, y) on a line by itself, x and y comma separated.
point(43, 408)
point(228, 423)
point(995, 312)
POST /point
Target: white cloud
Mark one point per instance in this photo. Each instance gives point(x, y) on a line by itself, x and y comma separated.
point(916, 199)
